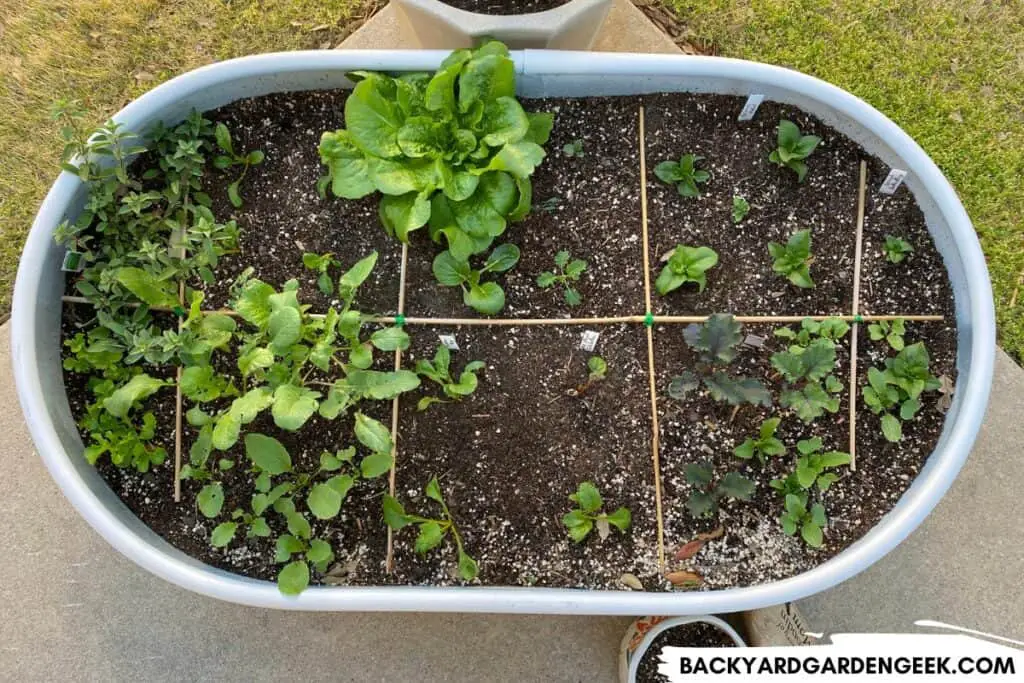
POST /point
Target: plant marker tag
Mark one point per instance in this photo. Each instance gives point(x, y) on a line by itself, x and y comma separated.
point(893, 181)
point(750, 108)
point(589, 341)
point(449, 341)
point(73, 262)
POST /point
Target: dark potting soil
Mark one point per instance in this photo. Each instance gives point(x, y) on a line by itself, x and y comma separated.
point(697, 634)
point(505, 7)
point(508, 456)
point(588, 205)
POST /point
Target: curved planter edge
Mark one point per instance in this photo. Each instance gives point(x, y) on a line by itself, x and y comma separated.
point(647, 629)
point(37, 310)
point(573, 26)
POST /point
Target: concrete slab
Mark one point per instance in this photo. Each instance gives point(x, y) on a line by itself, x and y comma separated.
point(625, 30)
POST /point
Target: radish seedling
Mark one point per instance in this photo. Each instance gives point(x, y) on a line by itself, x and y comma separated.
point(580, 521)
point(684, 174)
point(793, 259)
point(793, 148)
point(438, 371)
point(230, 158)
point(686, 264)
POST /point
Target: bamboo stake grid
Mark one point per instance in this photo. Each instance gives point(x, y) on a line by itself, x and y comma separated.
point(648, 320)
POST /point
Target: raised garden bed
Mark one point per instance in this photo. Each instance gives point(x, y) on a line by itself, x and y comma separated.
point(688, 367)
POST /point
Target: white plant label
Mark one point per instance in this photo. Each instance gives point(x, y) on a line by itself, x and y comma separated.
point(589, 340)
point(449, 341)
point(893, 181)
point(750, 108)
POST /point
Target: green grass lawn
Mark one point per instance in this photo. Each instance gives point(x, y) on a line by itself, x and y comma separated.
point(950, 72)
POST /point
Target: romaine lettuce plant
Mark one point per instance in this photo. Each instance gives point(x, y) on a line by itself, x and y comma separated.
point(793, 259)
point(684, 174)
point(581, 520)
point(793, 148)
point(686, 264)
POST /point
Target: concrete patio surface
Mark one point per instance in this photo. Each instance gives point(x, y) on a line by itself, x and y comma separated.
point(74, 609)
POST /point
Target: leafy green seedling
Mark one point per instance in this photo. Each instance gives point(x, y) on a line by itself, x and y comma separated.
point(581, 520)
point(764, 445)
point(686, 264)
point(740, 208)
point(793, 259)
point(708, 491)
point(832, 329)
point(573, 149)
point(811, 389)
point(895, 391)
point(431, 531)
point(716, 342)
point(793, 148)
point(484, 297)
point(230, 158)
point(811, 523)
point(321, 264)
point(569, 270)
point(597, 370)
point(812, 464)
point(294, 576)
point(684, 174)
point(896, 249)
point(891, 331)
point(438, 371)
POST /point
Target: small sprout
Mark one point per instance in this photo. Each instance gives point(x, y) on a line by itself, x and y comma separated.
point(573, 149)
point(598, 368)
point(321, 263)
point(811, 523)
point(684, 174)
point(229, 158)
point(740, 208)
point(764, 445)
point(549, 205)
point(581, 520)
point(703, 502)
point(894, 392)
point(686, 264)
point(812, 464)
point(793, 148)
point(569, 270)
point(891, 331)
point(484, 297)
point(438, 370)
point(896, 249)
point(431, 531)
point(794, 258)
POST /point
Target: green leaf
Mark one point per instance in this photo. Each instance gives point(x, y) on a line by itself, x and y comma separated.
point(257, 358)
point(402, 214)
point(433, 491)
point(147, 288)
point(138, 388)
point(578, 531)
point(788, 134)
point(286, 546)
point(700, 504)
point(428, 401)
point(267, 454)
point(449, 271)
point(541, 124)
point(737, 391)
point(373, 434)
point(210, 500)
point(352, 278)
point(293, 406)
point(811, 534)
point(745, 450)
point(716, 339)
point(298, 525)
point(223, 137)
point(518, 158)
point(253, 303)
point(223, 534)
point(394, 513)
point(503, 258)
point(376, 464)
point(699, 474)
point(506, 122)
point(430, 537)
point(233, 196)
point(545, 279)
point(488, 298)
point(668, 172)
point(382, 386)
point(484, 79)
point(198, 384)
point(892, 430)
point(285, 329)
point(737, 486)
point(390, 339)
point(587, 497)
point(294, 577)
point(199, 453)
point(680, 386)
point(620, 519)
point(468, 568)
point(324, 501)
point(372, 118)
point(319, 553)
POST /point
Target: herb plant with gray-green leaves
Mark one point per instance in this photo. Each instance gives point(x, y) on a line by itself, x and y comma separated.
point(438, 370)
point(793, 148)
point(587, 515)
point(716, 343)
point(568, 270)
point(686, 264)
point(684, 174)
point(452, 151)
point(793, 259)
point(894, 391)
point(432, 531)
point(709, 490)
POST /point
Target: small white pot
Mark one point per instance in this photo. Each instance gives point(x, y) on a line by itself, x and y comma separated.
point(643, 631)
point(573, 26)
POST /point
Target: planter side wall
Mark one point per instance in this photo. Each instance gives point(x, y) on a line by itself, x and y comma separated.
point(37, 312)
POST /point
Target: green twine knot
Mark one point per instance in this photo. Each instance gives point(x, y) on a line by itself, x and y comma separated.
point(399, 320)
point(649, 320)
point(179, 311)
point(858, 318)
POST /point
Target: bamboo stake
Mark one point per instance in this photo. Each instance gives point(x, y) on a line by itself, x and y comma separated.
point(177, 409)
point(392, 477)
point(651, 375)
point(858, 252)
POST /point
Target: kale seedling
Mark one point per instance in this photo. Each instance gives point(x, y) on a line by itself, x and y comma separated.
point(321, 264)
point(686, 264)
point(740, 208)
point(891, 331)
point(764, 445)
point(573, 149)
point(570, 270)
point(703, 502)
point(438, 371)
point(229, 158)
point(811, 523)
point(580, 521)
point(431, 531)
point(684, 174)
point(793, 148)
point(716, 342)
point(896, 249)
point(484, 297)
point(793, 259)
point(898, 387)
